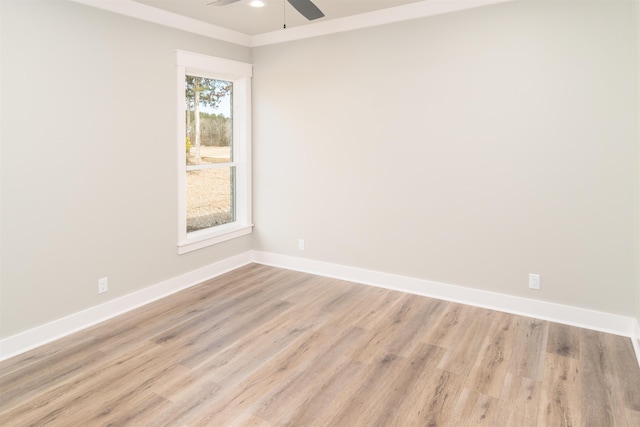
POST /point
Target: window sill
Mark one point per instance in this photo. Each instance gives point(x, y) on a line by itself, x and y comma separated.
point(203, 238)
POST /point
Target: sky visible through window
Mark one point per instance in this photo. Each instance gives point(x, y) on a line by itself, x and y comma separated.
point(224, 107)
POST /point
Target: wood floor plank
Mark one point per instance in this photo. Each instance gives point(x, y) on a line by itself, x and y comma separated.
point(461, 359)
point(415, 397)
point(334, 393)
point(238, 360)
point(214, 318)
point(46, 354)
point(437, 400)
point(194, 396)
point(627, 376)
point(363, 312)
point(345, 299)
point(315, 291)
point(492, 364)
point(308, 304)
point(392, 333)
point(405, 383)
point(632, 417)
point(24, 383)
point(229, 332)
point(119, 397)
point(564, 340)
point(374, 376)
point(92, 389)
point(519, 402)
point(152, 319)
point(248, 420)
point(262, 346)
point(379, 307)
point(560, 392)
point(406, 339)
point(133, 410)
point(446, 326)
point(474, 409)
point(600, 395)
point(250, 393)
point(277, 404)
point(528, 355)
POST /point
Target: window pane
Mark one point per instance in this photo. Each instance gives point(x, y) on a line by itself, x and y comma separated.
point(210, 198)
point(208, 115)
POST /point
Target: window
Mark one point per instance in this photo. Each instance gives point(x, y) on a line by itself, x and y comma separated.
point(214, 150)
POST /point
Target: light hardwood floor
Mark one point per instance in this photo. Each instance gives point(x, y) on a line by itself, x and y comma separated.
point(263, 346)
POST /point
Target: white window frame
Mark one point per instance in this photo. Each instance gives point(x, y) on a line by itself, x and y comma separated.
point(189, 63)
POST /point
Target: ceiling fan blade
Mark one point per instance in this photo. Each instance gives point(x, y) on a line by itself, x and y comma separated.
point(306, 9)
point(221, 2)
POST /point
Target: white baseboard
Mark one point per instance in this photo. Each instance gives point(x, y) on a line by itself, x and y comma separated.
point(574, 316)
point(584, 318)
point(635, 338)
point(59, 328)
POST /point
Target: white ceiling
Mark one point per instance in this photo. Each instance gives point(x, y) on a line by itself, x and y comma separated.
point(252, 27)
point(241, 17)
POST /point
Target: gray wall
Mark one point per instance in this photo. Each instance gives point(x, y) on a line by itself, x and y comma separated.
point(471, 148)
point(637, 27)
point(89, 175)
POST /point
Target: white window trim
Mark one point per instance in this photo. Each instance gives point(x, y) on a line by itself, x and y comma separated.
point(240, 74)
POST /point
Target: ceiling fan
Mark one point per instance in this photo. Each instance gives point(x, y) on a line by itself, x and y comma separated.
point(305, 7)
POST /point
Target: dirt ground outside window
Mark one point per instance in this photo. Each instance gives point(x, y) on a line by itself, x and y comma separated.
point(209, 193)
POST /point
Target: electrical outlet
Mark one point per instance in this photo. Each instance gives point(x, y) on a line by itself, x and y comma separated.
point(534, 281)
point(301, 244)
point(103, 285)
